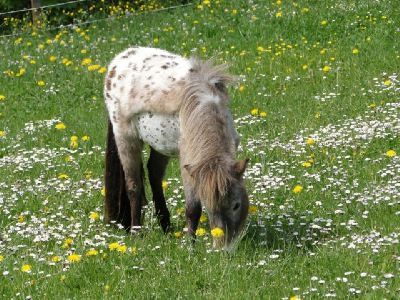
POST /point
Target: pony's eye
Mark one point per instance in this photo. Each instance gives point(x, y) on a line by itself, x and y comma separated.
point(236, 207)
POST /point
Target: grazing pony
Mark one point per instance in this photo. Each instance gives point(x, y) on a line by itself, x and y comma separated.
point(180, 108)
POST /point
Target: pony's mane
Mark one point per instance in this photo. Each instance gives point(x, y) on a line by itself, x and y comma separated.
point(207, 146)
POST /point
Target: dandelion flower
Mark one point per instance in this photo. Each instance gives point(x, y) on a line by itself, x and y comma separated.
point(253, 209)
point(52, 58)
point(297, 189)
point(155, 41)
point(355, 51)
point(74, 142)
point(295, 297)
point(391, 153)
point(122, 248)
point(164, 185)
point(241, 88)
point(55, 258)
point(1, 258)
point(2, 133)
point(326, 69)
point(2, 97)
point(133, 250)
point(263, 114)
point(200, 232)
point(74, 258)
point(310, 141)
point(93, 67)
point(85, 138)
point(203, 218)
point(68, 242)
point(60, 126)
point(103, 191)
point(306, 164)
point(113, 246)
point(92, 252)
point(102, 70)
point(94, 216)
point(41, 83)
point(63, 176)
point(86, 62)
point(178, 234)
point(217, 232)
point(254, 112)
point(324, 22)
point(26, 268)
point(387, 82)
point(278, 14)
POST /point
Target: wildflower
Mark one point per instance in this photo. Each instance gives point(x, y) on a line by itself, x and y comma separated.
point(113, 246)
point(21, 219)
point(63, 176)
point(178, 234)
point(52, 58)
point(2, 97)
point(326, 69)
point(355, 51)
point(164, 185)
point(372, 105)
point(84, 51)
point(85, 138)
point(278, 14)
point(74, 142)
point(324, 22)
point(203, 218)
point(306, 164)
point(297, 189)
point(26, 268)
point(102, 70)
point(260, 49)
point(74, 258)
point(92, 252)
point(133, 250)
point(1, 258)
point(86, 62)
point(295, 297)
point(253, 209)
point(62, 278)
point(305, 67)
point(310, 141)
point(106, 288)
point(155, 41)
point(305, 10)
point(217, 232)
point(200, 231)
point(55, 258)
point(94, 216)
point(60, 126)
point(103, 191)
point(391, 153)
point(21, 72)
point(93, 67)
point(263, 114)
point(241, 88)
point(2, 133)
point(41, 83)
point(387, 82)
point(254, 112)
point(68, 242)
point(234, 12)
point(122, 248)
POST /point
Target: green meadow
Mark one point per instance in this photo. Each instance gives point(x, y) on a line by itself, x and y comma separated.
point(317, 105)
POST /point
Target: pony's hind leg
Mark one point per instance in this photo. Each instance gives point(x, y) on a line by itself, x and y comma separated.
point(156, 165)
point(129, 150)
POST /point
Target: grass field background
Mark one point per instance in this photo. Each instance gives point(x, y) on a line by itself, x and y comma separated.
point(317, 107)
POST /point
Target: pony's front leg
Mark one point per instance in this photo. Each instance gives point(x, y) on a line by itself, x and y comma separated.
point(192, 212)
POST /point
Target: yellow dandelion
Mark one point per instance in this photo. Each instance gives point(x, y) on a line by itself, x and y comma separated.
point(295, 297)
point(1, 258)
point(113, 246)
point(62, 278)
point(178, 234)
point(305, 67)
point(60, 126)
point(41, 83)
point(372, 105)
point(94, 216)
point(278, 14)
point(2, 97)
point(92, 252)
point(164, 185)
point(21, 72)
point(2, 133)
point(133, 250)
point(155, 41)
point(391, 153)
point(324, 22)
point(26, 268)
point(234, 12)
point(306, 164)
point(103, 191)
point(84, 51)
point(68, 243)
point(387, 82)
point(200, 231)
point(326, 69)
point(254, 112)
point(86, 62)
point(217, 232)
point(263, 114)
point(74, 257)
point(241, 88)
point(55, 258)
point(297, 189)
point(355, 51)
point(310, 141)
point(85, 138)
point(21, 219)
point(203, 218)
point(260, 49)
point(253, 209)
point(52, 58)
point(102, 70)
point(63, 176)
point(93, 67)
point(122, 248)
point(74, 142)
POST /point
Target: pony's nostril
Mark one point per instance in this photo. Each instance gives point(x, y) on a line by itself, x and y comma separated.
point(236, 207)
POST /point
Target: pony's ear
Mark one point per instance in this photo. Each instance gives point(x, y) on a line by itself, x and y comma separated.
point(240, 166)
point(188, 168)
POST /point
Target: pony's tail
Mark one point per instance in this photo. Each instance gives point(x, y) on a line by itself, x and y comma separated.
point(116, 206)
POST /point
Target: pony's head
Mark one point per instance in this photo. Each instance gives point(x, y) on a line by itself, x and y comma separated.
point(222, 191)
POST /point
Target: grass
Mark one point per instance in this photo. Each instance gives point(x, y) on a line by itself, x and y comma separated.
point(338, 237)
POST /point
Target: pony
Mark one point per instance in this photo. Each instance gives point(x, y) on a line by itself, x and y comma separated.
point(179, 107)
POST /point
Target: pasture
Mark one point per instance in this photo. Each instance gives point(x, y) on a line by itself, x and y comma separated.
point(317, 106)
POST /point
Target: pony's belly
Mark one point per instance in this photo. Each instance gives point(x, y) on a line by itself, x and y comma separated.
point(160, 131)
